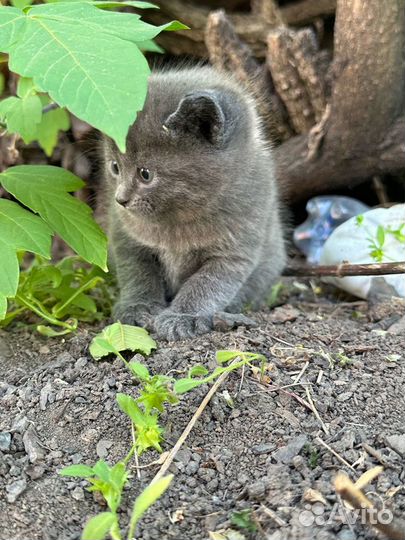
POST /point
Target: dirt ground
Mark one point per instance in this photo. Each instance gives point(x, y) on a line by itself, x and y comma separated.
point(57, 407)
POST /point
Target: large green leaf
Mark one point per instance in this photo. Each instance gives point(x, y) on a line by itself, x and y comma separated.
point(45, 189)
point(19, 230)
point(12, 25)
point(87, 59)
point(8, 270)
point(121, 337)
point(23, 230)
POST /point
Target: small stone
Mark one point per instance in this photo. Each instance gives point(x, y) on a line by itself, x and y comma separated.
point(81, 362)
point(20, 424)
point(263, 448)
point(78, 494)
point(257, 490)
point(89, 435)
point(15, 489)
point(5, 441)
point(283, 314)
point(285, 454)
point(192, 468)
point(15, 470)
point(43, 398)
point(35, 471)
point(184, 456)
point(397, 443)
point(344, 396)
point(44, 349)
point(102, 447)
point(32, 445)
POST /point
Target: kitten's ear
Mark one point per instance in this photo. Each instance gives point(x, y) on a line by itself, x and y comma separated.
point(206, 115)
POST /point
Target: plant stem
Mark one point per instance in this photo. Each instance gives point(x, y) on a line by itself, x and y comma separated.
point(89, 285)
point(42, 313)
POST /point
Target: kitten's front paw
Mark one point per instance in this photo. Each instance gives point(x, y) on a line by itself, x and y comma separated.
point(175, 326)
point(136, 314)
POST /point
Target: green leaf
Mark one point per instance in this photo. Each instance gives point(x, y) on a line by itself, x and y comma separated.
point(22, 229)
point(139, 370)
point(25, 87)
point(181, 386)
point(102, 470)
point(78, 471)
point(150, 46)
point(22, 115)
point(121, 337)
point(128, 405)
point(145, 500)
point(380, 235)
point(118, 476)
point(12, 26)
point(225, 356)
point(9, 270)
point(197, 371)
point(19, 230)
point(59, 44)
point(3, 305)
point(48, 129)
point(61, 52)
point(21, 4)
point(47, 195)
point(98, 526)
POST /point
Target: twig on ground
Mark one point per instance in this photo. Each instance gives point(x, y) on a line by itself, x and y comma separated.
point(374, 453)
point(316, 413)
point(301, 373)
point(324, 444)
point(189, 427)
point(347, 269)
point(280, 522)
point(395, 529)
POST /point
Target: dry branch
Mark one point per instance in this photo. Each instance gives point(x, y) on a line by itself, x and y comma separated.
point(365, 133)
point(250, 27)
point(347, 269)
point(356, 498)
point(268, 10)
point(307, 10)
point(292, 62)
point(228, 53)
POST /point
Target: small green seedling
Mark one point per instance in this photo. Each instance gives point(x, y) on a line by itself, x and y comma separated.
point(119, 337)
point(110, 483)
point(182, 386)
point(61, 295)
point(243, 519)
point(313, 456)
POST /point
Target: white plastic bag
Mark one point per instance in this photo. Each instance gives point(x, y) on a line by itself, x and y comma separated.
point(375, 236)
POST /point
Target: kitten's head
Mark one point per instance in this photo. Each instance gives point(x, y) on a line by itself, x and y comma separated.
point(182, 152)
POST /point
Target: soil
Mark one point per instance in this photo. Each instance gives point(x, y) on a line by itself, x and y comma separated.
point(57, 407)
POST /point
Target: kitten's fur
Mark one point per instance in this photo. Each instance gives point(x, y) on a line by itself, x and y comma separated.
point(205, 235)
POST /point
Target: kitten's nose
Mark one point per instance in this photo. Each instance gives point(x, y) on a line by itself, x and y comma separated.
point(122, 196)
point(122, 200)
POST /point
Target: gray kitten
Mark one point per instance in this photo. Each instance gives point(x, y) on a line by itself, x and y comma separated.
point(194, 221)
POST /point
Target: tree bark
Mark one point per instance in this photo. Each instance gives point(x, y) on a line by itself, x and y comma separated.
point(252, 28)
point(364, 134)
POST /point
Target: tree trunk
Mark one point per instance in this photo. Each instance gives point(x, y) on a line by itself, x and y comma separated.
point(365, 132)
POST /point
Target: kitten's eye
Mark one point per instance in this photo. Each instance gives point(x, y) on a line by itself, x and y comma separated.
point(114, 168)
point(145, 175)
